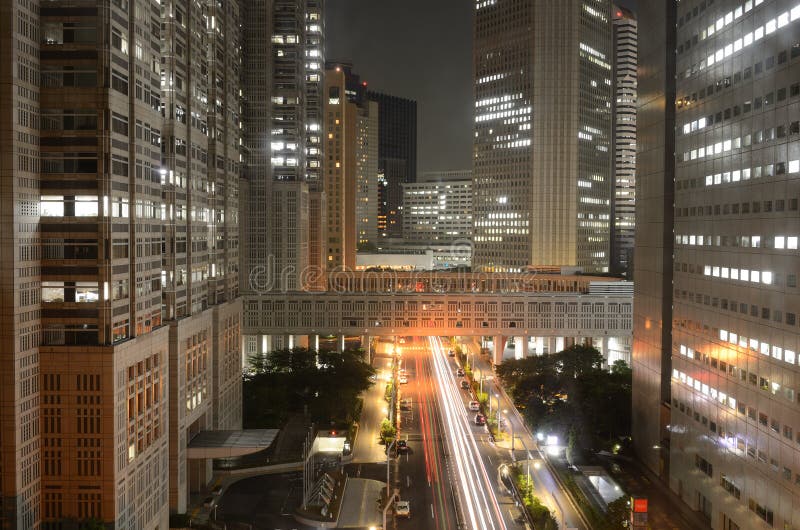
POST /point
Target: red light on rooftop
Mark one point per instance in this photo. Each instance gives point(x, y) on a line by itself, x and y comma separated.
point(364, 83)
point(619, 13)
point(639, 505)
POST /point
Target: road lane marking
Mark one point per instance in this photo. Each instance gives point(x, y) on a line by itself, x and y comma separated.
point(408, 481)
point(431, 511)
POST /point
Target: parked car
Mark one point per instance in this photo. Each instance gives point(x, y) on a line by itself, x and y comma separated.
point(403, 379)
point(474, 406)
point(465, 384)
point(402, 509)
point(480, 419)
point(402, 446)
point(460, 372)
point(451, 353)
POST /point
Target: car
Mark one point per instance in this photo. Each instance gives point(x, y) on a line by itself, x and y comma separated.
point(402, 446)
point(402, 509)
point(464, 384)
point(460, 372)
point(208, 502)
point(401, 340)
point(405, 404)
point(480, 419)
point(451, 353)
point(403, 380)
point(474, 406)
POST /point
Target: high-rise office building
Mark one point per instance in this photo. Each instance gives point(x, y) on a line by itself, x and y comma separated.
point(315, 68)
point(438, 208)
point(120, 256)
point(397, 157)
point(282, 83)
point(542, 172)
point(351, 168)
point(715, 329)
point(624, 203)
point(367, 183)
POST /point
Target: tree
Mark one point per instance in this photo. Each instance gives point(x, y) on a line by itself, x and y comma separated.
point(326, 384)
point(618, 513)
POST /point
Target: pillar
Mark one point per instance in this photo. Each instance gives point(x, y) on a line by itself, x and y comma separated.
point(520, 347)
point(499, 346)
point(340, 343)
point(314, 342)
point(367, 347)
point(539, 345)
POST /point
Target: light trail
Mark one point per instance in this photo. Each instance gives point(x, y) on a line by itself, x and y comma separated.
point(479, 502)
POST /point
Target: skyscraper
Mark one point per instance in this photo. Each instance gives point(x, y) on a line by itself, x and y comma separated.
point(351, 167)
point(120, 261)
point(715, 327)
point(283, 50)
point(397, 156)
point(367, 183)
point(339, 169)
point(542, 173)
point(624, 204)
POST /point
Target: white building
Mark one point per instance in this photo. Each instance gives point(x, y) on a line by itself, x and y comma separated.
point(438, 208)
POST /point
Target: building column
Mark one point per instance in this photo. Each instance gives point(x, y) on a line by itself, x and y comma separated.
point(520, 347)
point(288, 341)
point(367, 347)
point(539, 341)
point(499, 346)
point(340, 343)
point(313, 342)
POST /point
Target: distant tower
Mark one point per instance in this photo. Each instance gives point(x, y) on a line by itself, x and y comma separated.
point(625, 59)
point(397, 156)
point(542, 170)
point(350, 171)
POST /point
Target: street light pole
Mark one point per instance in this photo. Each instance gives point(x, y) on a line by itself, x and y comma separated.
point(388, 459)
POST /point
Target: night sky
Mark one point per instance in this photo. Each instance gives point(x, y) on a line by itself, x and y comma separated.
point(417, 49)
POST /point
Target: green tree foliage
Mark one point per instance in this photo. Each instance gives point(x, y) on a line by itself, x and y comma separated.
point(619, 512)
point(326, 384)
point(569, 394)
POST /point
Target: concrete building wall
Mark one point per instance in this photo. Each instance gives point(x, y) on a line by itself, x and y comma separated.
point(138, 210)
point(20, 281)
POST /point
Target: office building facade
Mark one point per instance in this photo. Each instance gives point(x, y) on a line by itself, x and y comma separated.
point(542, 173)
point(339, 169)
point(438, 208)
point(397, 157)
point(624, 203)
point(367, 197)
point(715, 328)
point(122, 229)
point(282, 84)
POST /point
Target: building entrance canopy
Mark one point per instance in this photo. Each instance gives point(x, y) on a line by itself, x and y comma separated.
point(227, 444)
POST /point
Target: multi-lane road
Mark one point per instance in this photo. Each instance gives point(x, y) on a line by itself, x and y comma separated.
point(450, 471)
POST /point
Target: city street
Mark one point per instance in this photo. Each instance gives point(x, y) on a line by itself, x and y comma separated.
point(525, 447)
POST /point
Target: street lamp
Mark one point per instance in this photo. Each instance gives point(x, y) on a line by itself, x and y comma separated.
point(388, 458)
